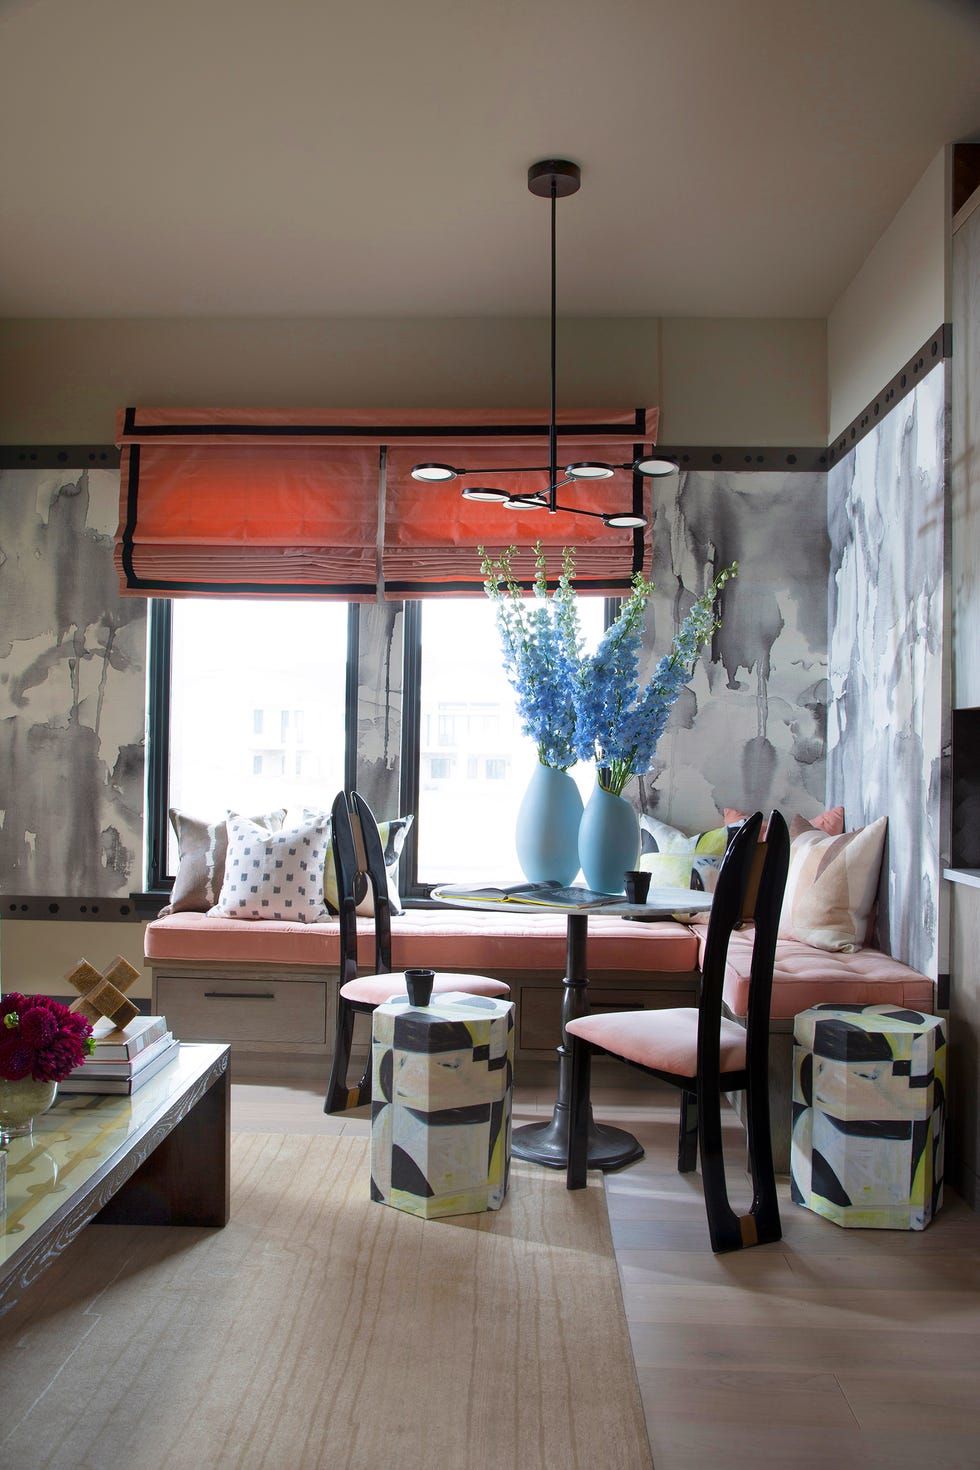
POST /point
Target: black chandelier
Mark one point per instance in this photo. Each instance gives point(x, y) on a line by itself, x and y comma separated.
point(552, 179)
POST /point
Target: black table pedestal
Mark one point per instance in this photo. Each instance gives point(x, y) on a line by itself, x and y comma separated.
point(547, 1143)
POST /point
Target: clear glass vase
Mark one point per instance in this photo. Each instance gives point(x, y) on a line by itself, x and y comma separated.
point(20, 1103)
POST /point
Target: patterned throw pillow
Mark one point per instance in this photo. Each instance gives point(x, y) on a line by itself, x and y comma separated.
point(393, 836)
point(201, 848)
point(675, 859)
point(274, 875)
point(832, 885)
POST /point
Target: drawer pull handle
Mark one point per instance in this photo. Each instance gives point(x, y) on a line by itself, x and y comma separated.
point(239, 995)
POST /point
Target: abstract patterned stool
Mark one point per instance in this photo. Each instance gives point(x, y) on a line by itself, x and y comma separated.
point(442, 1079)
point(869, 1112)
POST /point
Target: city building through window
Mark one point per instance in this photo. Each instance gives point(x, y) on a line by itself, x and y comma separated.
point(250, 713)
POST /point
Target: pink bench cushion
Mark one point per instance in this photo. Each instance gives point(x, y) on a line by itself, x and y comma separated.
point(665, 1040)
point(805, 976)
point(442, 938)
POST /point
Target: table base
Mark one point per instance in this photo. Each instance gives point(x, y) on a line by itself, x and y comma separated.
point(547, 1143)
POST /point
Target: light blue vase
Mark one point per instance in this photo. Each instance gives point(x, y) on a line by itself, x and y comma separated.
point(547, 827)
point(608, 841)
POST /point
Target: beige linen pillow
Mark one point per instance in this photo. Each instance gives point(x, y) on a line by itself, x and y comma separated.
point(832, 885)
point(202, 847)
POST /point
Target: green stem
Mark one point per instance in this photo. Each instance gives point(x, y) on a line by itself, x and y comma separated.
point(614, 776)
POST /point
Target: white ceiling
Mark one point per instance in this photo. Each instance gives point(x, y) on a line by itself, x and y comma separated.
point(368, 157)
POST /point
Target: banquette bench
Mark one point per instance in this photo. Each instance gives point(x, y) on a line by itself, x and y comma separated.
point(270, 987)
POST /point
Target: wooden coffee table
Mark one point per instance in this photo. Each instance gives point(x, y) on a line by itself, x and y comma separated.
point(160, 1157)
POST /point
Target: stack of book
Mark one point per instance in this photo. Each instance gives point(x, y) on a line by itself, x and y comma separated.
point(125, 1057)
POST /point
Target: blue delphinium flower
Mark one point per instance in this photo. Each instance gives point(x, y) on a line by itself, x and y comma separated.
point(619, 724)
point(590, 707)
point(542, 646)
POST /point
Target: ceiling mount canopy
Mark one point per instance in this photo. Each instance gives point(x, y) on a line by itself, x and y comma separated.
point(554, 179)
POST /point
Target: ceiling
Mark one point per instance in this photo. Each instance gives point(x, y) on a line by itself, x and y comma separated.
point(316, 158)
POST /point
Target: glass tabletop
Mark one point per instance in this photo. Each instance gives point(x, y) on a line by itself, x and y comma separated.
point(78, 1137)
point(662, 903)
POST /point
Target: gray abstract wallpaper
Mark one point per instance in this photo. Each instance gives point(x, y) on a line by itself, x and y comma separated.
point(379, 704)
point(966, 461)
point(750, 730)
point(72, 670)
point(885, 728)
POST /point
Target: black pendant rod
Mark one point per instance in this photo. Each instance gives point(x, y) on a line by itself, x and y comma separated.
point(552, 425)
point(554, 179)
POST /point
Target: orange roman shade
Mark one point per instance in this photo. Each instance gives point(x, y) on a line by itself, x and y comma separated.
point(321, 503)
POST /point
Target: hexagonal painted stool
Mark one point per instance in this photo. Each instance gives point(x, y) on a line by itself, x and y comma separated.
point(869, 1115)
point(441, 1110)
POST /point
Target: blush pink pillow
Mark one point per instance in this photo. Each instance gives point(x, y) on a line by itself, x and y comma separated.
point(830, 821)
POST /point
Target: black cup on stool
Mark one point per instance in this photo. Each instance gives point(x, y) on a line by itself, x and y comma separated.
point(419, 984)
point(637, 886)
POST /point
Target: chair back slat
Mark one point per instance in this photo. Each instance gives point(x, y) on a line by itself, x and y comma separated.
point(360, 864)
point(345, 864)
point(727, 907)
point(768, 907)
point(377, 875)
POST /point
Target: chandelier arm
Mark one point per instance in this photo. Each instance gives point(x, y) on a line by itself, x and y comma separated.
point(507, 469)
point(577, 510)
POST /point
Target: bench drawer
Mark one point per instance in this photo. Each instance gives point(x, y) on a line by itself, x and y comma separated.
point(229, 1009)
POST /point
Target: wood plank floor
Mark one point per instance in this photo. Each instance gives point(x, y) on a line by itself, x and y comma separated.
point(833, 1347)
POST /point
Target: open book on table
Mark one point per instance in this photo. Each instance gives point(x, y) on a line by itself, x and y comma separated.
point(548, 894)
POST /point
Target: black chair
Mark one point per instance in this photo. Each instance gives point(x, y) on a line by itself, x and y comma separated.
point(702, 1052)
point(359, 861)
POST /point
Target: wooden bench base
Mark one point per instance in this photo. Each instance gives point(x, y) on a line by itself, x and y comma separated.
point(287, 1016)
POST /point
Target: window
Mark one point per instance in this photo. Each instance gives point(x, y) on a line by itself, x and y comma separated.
point(472, 777)
point(256, 710)
point(249, 712)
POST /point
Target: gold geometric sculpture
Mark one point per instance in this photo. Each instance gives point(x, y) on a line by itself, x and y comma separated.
point(102, 994)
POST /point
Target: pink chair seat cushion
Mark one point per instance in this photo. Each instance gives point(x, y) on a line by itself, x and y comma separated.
point(665, 1040)
point(375, 989)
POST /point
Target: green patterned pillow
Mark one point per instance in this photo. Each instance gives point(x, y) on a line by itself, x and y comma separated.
point(393, 836)
point(676, 859)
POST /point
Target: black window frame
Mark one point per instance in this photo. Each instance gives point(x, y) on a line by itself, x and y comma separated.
point(158, 708)
point(157, 796)
point(410, 888)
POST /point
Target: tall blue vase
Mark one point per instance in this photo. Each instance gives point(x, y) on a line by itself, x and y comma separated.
point(547, 827)
point(608, 841)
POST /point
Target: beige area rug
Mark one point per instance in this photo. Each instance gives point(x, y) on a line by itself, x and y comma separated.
point(322, 1330)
